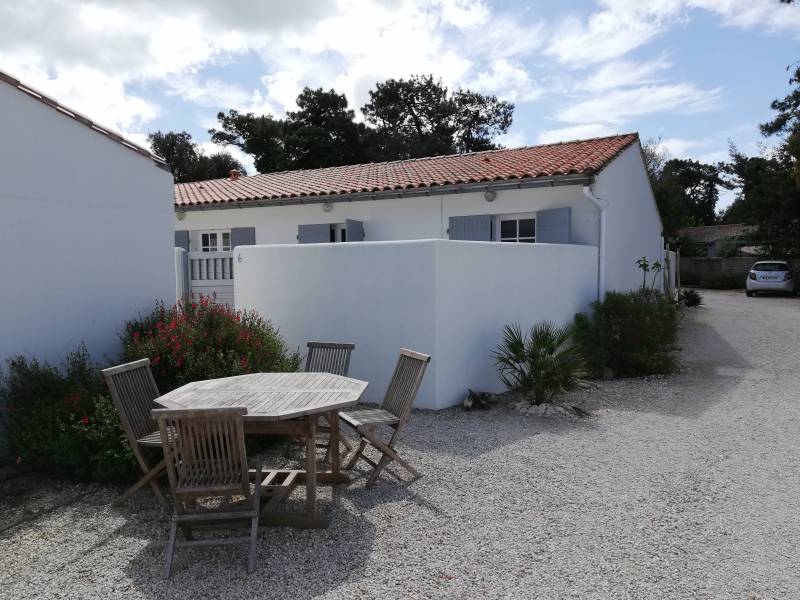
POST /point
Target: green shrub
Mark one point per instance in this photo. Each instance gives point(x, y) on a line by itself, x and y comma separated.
point(727, 248)
point(540, 362)
point(205, 340)
point(59, 420)
point(723, 282)
point(630, 333)
point(691, 298)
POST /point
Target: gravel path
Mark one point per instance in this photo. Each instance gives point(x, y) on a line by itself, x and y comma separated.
point(678, 487)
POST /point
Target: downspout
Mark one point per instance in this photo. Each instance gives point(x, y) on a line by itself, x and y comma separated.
point(602, 205)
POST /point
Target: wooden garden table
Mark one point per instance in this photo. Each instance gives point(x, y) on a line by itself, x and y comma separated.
point(282, 404)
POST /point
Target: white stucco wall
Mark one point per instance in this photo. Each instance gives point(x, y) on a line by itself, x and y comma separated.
point(445, 298)
point(633, 223)
point(425, 217)
point(86, 235)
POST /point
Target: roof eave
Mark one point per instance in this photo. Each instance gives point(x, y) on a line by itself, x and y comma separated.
point(505, 184)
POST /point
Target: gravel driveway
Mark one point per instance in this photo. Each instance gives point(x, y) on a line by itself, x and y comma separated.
point(678, 487)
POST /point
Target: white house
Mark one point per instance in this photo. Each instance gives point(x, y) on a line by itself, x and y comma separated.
point(86, 236)
point(450, 249)
point(593, 192)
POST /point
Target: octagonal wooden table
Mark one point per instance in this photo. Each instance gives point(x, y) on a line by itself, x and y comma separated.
point(282, 404)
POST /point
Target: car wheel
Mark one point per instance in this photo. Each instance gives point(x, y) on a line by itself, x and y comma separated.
point(750, 294)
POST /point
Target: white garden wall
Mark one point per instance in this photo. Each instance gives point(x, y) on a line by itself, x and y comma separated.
point(86, 235)
point(446, 298)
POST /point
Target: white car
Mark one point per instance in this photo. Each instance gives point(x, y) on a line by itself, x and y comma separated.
point(770, 276)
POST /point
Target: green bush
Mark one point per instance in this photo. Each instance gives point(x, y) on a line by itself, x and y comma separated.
point(691, 298)
point(205, 340)
point(59, 420)
point(630, 333)
point(539, 363)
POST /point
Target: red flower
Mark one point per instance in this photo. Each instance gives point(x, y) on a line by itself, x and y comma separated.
point(135, 336)
point(85, 420)
point(155, 360)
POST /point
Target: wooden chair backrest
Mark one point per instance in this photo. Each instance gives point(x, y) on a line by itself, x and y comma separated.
point(133, 391)
point(405, 383)
point(204, 451)
point(325, 357)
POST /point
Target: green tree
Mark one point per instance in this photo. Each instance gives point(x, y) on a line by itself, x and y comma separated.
point(420, 117)
point(787, 123)
point(187, 161)
point(322, 133)
point(405, 119)
point(767, 198)
point(686, 191)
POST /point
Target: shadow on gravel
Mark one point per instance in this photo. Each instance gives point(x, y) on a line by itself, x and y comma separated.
point(299, 563)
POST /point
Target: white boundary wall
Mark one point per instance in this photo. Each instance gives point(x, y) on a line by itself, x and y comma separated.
point(446, 298)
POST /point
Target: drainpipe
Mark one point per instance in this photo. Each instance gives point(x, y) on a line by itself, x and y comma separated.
point(602, 205)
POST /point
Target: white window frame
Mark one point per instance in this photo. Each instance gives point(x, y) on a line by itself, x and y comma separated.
point(515, 217)
point(219, 245)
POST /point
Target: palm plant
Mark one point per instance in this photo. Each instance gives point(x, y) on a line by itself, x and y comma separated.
point(541, 362)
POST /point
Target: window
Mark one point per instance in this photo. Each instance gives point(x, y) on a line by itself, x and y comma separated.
point(516, 228)
point(215, 241)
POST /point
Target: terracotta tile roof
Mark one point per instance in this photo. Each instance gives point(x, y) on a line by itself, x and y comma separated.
point(75, 115)
point(581, 157)
point(712, 233)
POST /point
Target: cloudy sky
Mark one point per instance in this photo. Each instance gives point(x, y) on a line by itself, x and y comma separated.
point(695, 73)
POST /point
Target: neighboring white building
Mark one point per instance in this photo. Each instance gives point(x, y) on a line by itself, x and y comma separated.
point(425, 272)
point(86, 235)
point(551, 193)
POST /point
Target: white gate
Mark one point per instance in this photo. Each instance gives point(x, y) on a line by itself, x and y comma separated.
point(208, 274)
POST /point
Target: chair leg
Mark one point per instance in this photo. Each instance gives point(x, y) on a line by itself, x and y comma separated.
point(352, 462)
point(187, 532)
point(170, 549)
point(385, 460)
point(251, 557)
point(147, 479)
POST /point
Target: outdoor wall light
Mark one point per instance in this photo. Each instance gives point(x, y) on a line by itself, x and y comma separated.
point(327, 207)
point(489, 195)
point(181, 215)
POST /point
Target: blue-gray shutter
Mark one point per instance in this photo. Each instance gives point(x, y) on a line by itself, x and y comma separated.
point(243, 236)
point(355, 230)
point(182, 239)
point(314, 234)
point(554, 226)
point(476, 228)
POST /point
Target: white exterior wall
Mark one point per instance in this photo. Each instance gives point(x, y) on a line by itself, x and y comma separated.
point(424, 217)
point(86, 236)
point(446, 298)
point(633, 225)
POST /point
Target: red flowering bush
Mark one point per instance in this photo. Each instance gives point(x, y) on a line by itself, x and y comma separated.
point(204, 340)
point(61, 421)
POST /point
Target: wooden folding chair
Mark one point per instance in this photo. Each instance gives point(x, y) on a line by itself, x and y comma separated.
point(328, 357)
point(393, 413)
point(133, 391)
point(206, 457)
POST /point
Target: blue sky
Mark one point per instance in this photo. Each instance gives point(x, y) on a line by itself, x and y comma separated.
point(694, 73)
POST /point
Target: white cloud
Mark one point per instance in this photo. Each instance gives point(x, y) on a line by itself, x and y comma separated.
point(506, 80)
point(513, 139)
point(575, 132)
point(620, 106)
point(625, 73)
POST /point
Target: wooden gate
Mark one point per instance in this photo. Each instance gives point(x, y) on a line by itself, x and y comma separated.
point(211, 274)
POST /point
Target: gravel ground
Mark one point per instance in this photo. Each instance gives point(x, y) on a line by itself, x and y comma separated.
point(680, 487)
